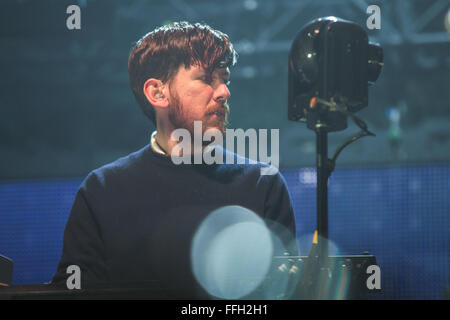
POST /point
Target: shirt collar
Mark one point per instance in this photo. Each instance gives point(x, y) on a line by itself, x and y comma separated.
point(156, 147)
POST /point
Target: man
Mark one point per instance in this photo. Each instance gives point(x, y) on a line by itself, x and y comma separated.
point(133, 220)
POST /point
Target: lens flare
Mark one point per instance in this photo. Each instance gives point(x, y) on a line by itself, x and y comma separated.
point(231, 252)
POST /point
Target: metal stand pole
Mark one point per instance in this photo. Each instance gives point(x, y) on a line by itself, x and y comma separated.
point(322, 192)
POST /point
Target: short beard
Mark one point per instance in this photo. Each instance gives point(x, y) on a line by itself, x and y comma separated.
point(180, 118)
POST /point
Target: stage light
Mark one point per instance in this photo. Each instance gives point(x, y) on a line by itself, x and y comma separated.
point(331, 63)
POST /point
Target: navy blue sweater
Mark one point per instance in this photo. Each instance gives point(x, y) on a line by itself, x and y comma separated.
point(133, 220)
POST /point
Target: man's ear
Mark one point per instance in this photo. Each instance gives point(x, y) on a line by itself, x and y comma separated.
point(154, 92)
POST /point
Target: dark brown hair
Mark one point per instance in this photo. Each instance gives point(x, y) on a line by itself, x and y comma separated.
point(160, 53)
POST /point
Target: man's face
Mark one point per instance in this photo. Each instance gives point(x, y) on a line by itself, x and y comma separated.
point(196, 95)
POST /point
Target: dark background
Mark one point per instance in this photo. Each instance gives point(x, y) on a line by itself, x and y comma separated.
point(66, 106)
